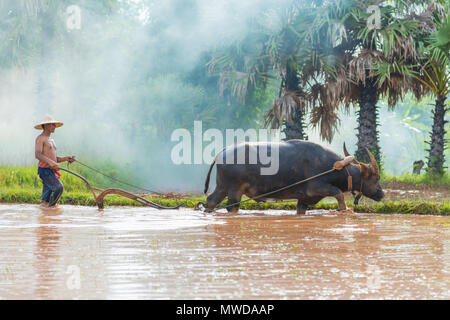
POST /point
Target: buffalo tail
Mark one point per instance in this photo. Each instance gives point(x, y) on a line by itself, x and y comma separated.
point(209, 176)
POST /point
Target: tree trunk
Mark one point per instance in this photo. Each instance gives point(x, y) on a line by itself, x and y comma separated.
point(367, 123)
point(296, 129)
point(436, 151)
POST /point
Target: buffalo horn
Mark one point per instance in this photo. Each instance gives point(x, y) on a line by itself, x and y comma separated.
point(373, 163)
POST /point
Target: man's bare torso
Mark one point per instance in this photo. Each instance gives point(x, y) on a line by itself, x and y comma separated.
point(48, 146)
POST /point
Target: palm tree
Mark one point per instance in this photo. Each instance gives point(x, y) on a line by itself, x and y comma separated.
point(370, 62)
point(382, 65)
point(263, 54)
point(299, 58)
point(305, 63)
point(435, 75)
point(328, 56)
point(289, 107)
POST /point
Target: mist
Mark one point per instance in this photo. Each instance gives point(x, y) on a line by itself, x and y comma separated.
point(127, 78)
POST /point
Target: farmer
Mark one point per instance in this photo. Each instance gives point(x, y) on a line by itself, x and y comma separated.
point(45, 152)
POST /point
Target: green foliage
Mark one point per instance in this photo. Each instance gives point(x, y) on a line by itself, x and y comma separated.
point(156, 98)
point(32, 196)
point(406, 207)
point(20, 185)
point(425, 179)
point(26, 177)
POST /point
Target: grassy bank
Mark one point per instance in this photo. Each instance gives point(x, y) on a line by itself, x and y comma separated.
point(413, 180)
point(20, 185)
point(30, 195)
point(26, 176)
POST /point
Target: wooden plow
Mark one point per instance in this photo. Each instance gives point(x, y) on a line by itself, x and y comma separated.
point(102, 193)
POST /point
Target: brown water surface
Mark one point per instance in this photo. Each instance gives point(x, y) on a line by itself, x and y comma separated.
point(141, 253)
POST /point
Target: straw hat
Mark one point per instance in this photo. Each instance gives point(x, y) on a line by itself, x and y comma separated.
point(48, 119)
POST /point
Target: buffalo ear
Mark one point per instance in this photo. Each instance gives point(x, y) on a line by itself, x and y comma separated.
point(364, 170)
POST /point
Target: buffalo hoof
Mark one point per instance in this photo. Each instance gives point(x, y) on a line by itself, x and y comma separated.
point(301, 209)
point(200, 206)
point(347, 211)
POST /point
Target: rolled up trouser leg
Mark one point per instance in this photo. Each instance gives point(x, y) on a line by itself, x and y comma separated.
point(54, 197)
point(52, 184)
point(46, 192)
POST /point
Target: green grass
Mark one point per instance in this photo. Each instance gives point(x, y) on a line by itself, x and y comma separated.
point(32, 195)
point(26, 176)
point(21, 185)
point(419, 180)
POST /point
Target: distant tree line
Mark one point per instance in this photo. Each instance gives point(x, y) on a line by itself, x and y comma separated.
point(295, 67)
point(330, 54)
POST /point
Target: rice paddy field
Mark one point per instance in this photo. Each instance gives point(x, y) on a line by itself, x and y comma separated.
point(408, 194)
point(394, 249)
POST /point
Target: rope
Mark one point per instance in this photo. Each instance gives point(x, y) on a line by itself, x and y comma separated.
point(275, 191)
point(117, 180)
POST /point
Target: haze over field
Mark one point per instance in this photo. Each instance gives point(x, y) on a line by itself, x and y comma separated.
point(136, 70)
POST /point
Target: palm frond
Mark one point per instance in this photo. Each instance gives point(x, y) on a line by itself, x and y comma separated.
point(284, 109)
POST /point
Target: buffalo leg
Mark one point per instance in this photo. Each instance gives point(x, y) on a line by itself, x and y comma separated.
point(342, 206)
point(214, 199)
point(329, 191)
point(234, 197)
point(301, 208)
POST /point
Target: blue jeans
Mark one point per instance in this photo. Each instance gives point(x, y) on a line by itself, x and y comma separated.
point(52, 189)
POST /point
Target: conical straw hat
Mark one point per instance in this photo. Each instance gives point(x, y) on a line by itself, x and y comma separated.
point(48, 119)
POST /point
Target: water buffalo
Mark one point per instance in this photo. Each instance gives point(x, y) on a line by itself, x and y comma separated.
point(298, 160)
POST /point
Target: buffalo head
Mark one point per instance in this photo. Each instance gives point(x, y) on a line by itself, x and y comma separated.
point(370, 177)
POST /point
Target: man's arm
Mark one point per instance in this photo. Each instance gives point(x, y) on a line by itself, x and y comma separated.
point(38, 153)
point(68, 158)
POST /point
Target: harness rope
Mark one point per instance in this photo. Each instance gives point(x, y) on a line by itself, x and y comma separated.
point(117, 180)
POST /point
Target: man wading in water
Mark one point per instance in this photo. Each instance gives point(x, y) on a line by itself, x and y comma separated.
point(48, 170)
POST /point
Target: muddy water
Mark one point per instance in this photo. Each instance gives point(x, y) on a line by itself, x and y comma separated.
point(141, 253)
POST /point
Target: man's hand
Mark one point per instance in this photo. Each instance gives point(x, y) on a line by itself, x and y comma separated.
point(53, 165)
point(69, 159)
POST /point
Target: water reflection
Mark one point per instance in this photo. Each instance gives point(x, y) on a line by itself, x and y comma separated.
point(47, 251)
point(143, 253)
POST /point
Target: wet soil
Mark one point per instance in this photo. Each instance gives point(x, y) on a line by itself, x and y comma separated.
point(404, 191)
point(142, 253)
